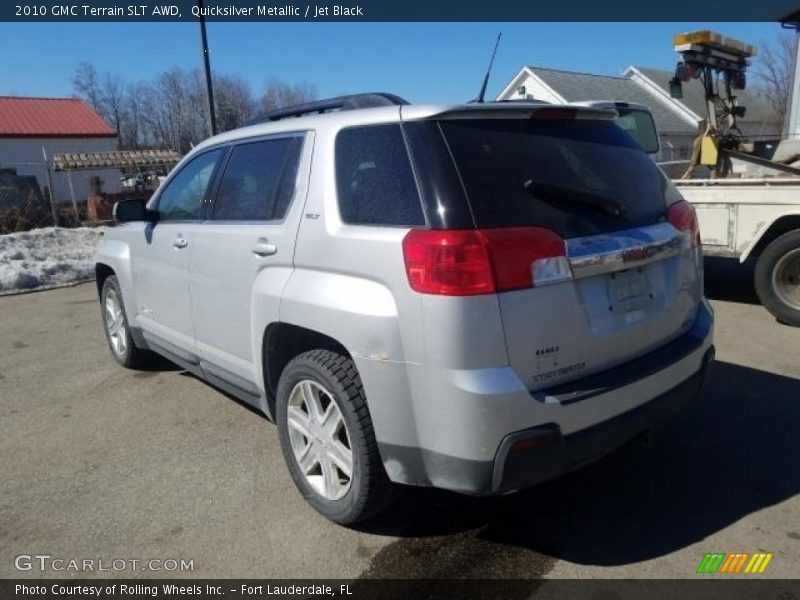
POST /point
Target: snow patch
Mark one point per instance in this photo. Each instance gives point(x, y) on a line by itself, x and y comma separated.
point(49, 257)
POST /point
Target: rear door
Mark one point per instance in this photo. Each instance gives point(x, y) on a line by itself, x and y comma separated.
point(635, 283)
point(161, 257)
point(244, 252)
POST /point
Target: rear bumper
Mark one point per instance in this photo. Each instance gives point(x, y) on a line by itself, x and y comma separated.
point(534, 455)
point(487, 434)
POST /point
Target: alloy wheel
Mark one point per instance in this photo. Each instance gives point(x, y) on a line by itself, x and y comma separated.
point(115, 323)
point(320, 440)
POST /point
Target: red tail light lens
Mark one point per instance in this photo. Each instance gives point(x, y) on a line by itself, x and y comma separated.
point(683, 217)
point(526, 256)
point(449, 263)
point(483, 261)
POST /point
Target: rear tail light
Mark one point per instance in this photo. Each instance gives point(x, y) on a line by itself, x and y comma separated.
point(683, 217)
point(450, 263)
point(483, 261)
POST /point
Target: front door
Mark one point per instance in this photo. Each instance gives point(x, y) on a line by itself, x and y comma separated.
point(244, 256)
point(161, 258)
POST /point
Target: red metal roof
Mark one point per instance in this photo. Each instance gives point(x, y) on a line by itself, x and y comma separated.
point(50, 117)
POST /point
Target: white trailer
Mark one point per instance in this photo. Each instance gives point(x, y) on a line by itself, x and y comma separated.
point(738, 218)
point(759, 218)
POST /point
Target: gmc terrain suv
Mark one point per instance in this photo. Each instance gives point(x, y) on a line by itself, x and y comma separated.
point(476, 297)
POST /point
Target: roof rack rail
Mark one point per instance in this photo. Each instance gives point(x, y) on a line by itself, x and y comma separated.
point(351, 102)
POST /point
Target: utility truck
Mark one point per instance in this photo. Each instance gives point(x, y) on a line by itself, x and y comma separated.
point(749, 206)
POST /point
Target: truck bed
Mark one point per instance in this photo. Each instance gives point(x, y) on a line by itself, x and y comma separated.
point(735, 213)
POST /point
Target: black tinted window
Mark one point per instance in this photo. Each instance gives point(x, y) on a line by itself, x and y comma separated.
point(566, 175)
point(374, 179)
point(182, 199)
point(259, 181)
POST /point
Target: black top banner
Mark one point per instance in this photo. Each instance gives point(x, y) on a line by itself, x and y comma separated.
point(405, 10)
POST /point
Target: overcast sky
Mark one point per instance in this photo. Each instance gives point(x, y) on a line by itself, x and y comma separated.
point(424, 62)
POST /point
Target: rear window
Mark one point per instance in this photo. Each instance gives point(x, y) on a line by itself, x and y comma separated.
point(576, 177)
point(374, 179)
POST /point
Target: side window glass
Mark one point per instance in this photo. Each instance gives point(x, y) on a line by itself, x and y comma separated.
point(259, 181)
point(374, 180)
point(182, 199)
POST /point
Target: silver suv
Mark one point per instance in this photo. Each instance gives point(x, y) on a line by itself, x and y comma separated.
point(476, 297)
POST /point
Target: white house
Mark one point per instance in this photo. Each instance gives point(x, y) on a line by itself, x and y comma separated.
point(34, 128)
point(676, 120)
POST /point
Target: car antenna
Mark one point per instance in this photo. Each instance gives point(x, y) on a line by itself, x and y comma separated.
point(482, 93)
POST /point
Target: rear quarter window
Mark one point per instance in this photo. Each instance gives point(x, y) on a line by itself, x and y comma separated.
point(542, 171)
point(374, 180)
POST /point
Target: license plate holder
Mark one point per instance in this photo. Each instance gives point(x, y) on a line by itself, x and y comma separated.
point(628, 290)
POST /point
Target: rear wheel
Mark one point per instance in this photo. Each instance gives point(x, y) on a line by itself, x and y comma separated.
point(327, 438)
point(777, 278)
point(115, 324)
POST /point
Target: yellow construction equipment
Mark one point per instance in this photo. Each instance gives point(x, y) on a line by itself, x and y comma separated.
point(719, 63)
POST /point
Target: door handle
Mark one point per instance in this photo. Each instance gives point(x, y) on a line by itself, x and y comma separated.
point(264, 248)
point(180, 243)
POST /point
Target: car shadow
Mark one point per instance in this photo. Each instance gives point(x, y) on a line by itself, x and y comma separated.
point(158, 363)
point(249, 407)
point(732, 453)
point(729, 280)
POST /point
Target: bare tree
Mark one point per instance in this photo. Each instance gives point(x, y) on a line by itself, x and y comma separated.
point(86, 84)
point(171, 93)
point(171, 111)
point(178, 109)
point(152, 124)
point(234, 101)
point(279, 94)
point(198, 122)
point(773, 72)
point(132, 129)
point(106, 94)
point(112, 103)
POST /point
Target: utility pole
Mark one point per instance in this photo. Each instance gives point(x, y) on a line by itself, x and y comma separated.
point(792, 124)
point(207, 66)
point(50, 188)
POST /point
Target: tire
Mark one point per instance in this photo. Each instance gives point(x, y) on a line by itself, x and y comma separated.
point(115, 324)
point(777, 278)
point(321, 382)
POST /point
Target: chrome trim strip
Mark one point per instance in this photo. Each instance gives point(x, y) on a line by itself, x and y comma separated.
point(606, 253)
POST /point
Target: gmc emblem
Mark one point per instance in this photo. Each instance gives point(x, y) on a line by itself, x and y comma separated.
point(637, 254)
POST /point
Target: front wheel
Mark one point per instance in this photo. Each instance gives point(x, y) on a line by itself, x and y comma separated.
point(115, 324)
point(777, 278)
point(327, 438)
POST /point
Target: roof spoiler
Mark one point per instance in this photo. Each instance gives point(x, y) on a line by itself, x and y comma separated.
point(525, 110)
point(339, 103)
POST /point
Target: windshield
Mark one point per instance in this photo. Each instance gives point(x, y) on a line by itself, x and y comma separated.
point(556, 174)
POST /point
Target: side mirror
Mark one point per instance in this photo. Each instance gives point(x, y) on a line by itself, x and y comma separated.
point(127, 211)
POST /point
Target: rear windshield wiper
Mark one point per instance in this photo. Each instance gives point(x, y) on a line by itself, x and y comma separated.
point(565, 192)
